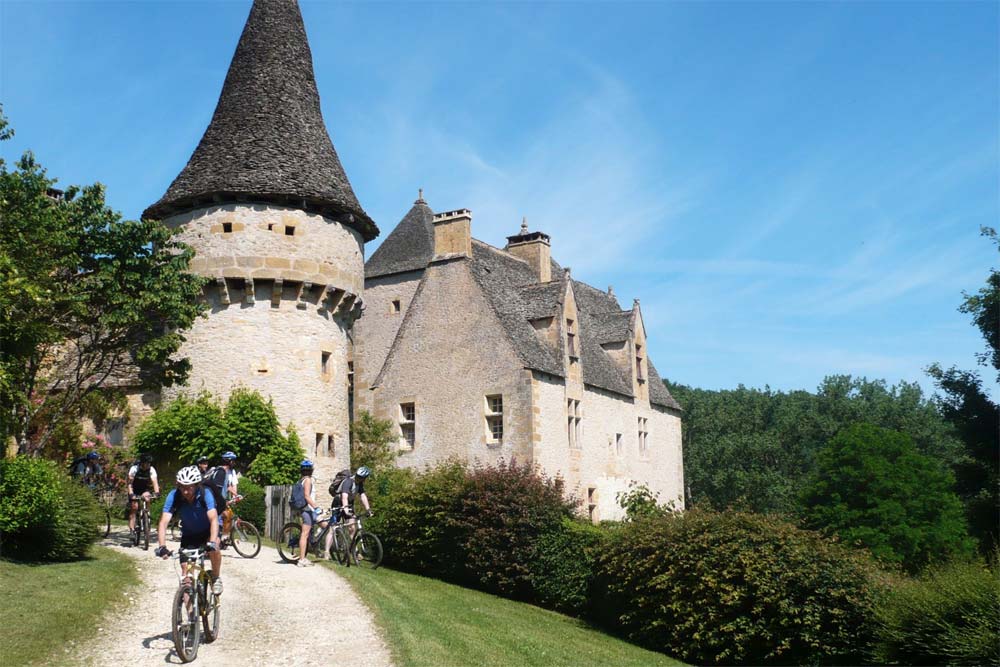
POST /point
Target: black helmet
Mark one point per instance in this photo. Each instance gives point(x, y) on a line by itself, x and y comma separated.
point(145, 457)
point(202, 459)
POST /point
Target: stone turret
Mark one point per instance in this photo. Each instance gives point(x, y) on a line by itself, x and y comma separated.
point(279, 232)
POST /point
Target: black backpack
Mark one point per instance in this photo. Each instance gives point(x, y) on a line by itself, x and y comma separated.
point(78, 467)
point(337, 481)
point(215, 481)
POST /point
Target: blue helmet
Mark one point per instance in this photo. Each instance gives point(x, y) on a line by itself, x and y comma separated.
point(306, 463)
point(229, 456)
point(363, 472)
point(93, 455)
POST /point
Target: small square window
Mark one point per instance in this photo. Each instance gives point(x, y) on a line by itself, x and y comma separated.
point(408, 411)
point(495, 424)
point(270, 226)
point(495, 404)
point(227, 228)
point(409, 432)
point(289, 230)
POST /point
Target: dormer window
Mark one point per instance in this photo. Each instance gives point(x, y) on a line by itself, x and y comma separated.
point(571, 340)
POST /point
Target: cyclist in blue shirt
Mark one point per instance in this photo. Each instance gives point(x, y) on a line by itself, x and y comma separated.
point(199, 520)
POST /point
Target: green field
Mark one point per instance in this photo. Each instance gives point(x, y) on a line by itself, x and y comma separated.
point(46, 606)
point(430, 623)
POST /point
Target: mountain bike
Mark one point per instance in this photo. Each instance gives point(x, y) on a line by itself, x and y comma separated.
point(141, 531)
point(196, 608)
point(366, 547)
point(243, 535)
point(288, 540)
point(109, 500)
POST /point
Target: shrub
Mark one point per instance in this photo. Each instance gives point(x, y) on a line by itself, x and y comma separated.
point(44, 515)
point(412, 515)
point(737, 588)
point(252, 507)
point(251, 424)
point(950, 616)
point(502, 512)
point(184, 429)
point(278, 462)
point(872, 487)
point(562, 571)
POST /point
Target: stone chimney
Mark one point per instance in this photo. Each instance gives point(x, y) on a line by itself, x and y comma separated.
point(534, 248)
point(453, 234)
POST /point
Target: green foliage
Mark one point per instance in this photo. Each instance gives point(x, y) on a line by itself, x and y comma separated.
point(184, 429)
point(412, 514)
point(950, 616)
point(737, 588)
point(252, 507)
point(639, 502)
point(501, 513)
point(753, 448)
point(563, 567)
point(278, 462)
point(84, 297)
point(873, 488)
point(371, 442)
point(44, 515)
point(251, 424)
point(28, 492)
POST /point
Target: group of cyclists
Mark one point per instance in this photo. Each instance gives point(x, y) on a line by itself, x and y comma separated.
point(201, 496)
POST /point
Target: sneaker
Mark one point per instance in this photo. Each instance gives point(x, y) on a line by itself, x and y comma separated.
point(305, 563)
point(217, 586)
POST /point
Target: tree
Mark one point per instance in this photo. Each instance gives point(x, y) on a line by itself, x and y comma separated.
point(87, 300)
point(251, 424)
point(975, 417)
point(371, 442)
point(872, 487)
point(184, 429)
point(278, 462)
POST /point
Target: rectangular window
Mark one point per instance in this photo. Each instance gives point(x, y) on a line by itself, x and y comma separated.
point(396, 306)
point(591, 501)
point(638, 364)
point(494, 419)
point(408, 424)
point(618, 444)
point(227, 227)
point(643, 437)
point(324, 361)
point(289, 230)
point(571, 339)
point(320, 438)
point(329, 446)
point(574, 431)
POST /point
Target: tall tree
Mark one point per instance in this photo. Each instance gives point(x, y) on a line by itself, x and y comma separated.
point(87, 301)
point(975, 416)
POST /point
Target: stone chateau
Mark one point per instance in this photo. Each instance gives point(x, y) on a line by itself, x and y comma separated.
point(472, 351)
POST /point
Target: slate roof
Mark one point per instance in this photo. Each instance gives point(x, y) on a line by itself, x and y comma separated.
point(267, 140)
point(512, 290)
point(409, 247)
point(501, 277)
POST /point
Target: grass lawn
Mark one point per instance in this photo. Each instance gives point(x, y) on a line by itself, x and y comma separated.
point(430, 623)
point(47, 605)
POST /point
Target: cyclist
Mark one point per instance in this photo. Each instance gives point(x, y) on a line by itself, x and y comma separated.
point(309, 513)
point(87, 469)
point(222, 481)
point(353, 485)
point(141, 482)
point(199, 520)
point(202, 464)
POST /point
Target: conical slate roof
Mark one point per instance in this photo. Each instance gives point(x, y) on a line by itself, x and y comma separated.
point(409, 247)
point(267, 141)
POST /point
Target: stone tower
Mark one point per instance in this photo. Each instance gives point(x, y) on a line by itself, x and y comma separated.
point(279, 233)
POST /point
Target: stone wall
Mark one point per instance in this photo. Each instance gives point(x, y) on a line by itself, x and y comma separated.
point(451, 353)
point(376, 330)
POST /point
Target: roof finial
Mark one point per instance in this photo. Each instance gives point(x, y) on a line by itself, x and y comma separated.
point(524, 224)
point(611, 290)
point(635, 303)
point(420, 194)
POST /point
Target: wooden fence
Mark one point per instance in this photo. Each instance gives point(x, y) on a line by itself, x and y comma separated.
point(276, 509)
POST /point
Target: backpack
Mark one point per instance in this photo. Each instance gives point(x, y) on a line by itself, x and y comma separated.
point(337, 481)
point(298, 500)
point(213, 483)
point(78, 467)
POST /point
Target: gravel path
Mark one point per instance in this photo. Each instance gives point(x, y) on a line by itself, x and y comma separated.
point(273, 614)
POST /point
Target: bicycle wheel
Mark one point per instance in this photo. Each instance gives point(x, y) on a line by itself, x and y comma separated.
point(288, 542)
point(339, 546)
point(104, 529)
point(210, 612)
point(245, 538)
point(145, 531)
point(186, 631)
point(366, 550)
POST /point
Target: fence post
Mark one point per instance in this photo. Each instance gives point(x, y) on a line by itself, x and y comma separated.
point(277, 511)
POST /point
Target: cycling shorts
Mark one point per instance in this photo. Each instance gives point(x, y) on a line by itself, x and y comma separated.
point(193, 540)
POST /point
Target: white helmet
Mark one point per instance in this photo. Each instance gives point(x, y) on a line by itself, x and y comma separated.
point(189, 475)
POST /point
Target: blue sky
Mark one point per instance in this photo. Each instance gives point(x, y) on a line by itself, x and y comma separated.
point(791, 189)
